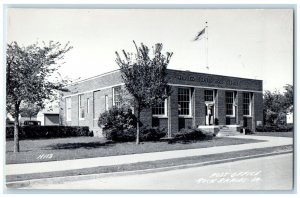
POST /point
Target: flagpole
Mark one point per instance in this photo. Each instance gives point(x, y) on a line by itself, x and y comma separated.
point(206, 31)
point(204, 34)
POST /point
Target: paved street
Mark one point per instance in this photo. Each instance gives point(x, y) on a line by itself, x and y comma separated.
point(267, 173)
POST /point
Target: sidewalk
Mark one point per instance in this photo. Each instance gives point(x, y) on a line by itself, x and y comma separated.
point(42, 167)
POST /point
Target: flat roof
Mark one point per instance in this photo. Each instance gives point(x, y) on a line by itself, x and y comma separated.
point(116, 70)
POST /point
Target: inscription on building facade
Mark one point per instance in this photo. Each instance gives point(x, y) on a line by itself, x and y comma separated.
point(210, 80)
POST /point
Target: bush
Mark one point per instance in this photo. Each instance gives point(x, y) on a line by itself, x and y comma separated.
point(128, 135)
point(36, 132)
point(117, 118)
point(280, 128)
point(192, 134)
point(118, 135)
point(119, 125)
point(152, 133)
point(247, 131)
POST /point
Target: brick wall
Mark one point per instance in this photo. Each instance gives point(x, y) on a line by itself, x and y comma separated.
point(96, 88)
point(258, 107)
point(92, 112)
point(214, 81)
point(230, 120)
point(220, 107)
point(75, 113)
point(146, 117)
point(199, 107)
point(163, 124)
point(95, 83)
point(184, 123)
point(256, 110)
point(240, 106)
point(173, 110)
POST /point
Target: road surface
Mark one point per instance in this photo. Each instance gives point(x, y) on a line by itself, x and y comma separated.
point(265, 173)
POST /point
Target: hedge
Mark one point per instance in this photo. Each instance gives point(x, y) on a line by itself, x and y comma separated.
point(268, 128)
point(127, 135)
point(247, 131)
point(36, 132)
point(192, 134)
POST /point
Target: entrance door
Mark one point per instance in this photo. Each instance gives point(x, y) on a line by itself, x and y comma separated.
point(209, 114)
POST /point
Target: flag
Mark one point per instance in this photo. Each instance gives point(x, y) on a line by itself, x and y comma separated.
point(199, 34)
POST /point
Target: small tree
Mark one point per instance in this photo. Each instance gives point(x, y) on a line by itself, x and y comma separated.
point(145, 77)
point(29, 77)
point(277, 105)
point(29, 110)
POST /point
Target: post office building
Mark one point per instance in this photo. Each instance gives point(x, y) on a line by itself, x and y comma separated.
point(222, 104)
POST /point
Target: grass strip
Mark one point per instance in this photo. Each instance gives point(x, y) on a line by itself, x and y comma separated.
point(149, 165)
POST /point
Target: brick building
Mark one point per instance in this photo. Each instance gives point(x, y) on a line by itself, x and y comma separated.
point(211, 102)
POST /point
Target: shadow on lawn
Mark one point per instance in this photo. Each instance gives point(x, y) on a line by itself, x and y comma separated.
point(85, 145)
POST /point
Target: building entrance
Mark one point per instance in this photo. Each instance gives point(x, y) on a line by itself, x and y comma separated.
point(209, 113)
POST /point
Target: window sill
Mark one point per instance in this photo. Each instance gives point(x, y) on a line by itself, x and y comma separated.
point(247, 116)
point(81, 118)
point(185, 116)
point(159, 116)
point(230, 116)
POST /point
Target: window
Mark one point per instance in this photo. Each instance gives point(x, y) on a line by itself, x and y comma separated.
point(246, 104)
point(87, 105)
point(160, 109)
point(209, 95)
point(106, 103)
point(117, 96)
point(184, 101)
point(229, 100)
point(68, 108)
point(81, 107)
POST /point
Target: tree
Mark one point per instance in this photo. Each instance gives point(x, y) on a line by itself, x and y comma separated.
point(289, 97)
point(145, 77)
point(29, 77)
point(273, 105)
point(29, 110)
point(277, 105)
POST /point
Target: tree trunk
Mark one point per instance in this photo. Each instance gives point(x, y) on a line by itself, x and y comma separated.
point(138, 126)
point(16, 128)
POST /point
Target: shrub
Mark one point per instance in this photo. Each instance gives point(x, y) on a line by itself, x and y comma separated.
point(36, 132)
point(119, 124)
point(152, 133)
point(117, 118)
point(192, 134)
point(127, 135)
point(279, 128)
point(247, 131)
point(117, 135)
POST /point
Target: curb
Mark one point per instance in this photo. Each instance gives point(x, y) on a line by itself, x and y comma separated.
point(55, 180)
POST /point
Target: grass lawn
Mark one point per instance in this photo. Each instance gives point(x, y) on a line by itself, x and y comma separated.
point(154, 164)
point(276, 134)
point(88, 147)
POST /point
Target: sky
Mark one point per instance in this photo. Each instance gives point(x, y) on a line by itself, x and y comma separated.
point(250, 43)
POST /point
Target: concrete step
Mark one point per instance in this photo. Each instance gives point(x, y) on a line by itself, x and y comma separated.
point(227, 131)
point(222, 130)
